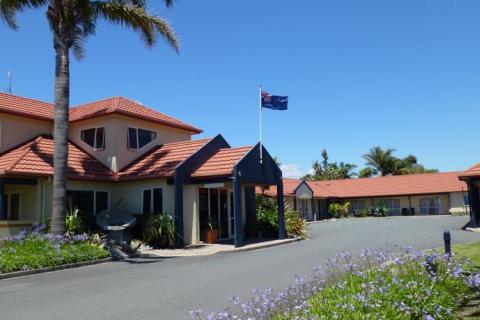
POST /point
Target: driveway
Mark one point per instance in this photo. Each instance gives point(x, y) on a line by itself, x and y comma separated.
point(170, 288)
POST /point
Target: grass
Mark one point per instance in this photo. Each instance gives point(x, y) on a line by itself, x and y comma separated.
point(468, 250)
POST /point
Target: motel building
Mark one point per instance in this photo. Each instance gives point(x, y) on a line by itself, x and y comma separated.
point(416, 194)
point(126, 156)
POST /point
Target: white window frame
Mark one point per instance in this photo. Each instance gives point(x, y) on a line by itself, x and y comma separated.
point(151, 198)
point(393, 211)
point(138, 142)
point(355, 207)
point(9, 195)
point(427, 208)
point(95, 138)
point(95, 197)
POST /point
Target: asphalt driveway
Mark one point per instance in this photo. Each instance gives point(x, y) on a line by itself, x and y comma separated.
point(170, 288)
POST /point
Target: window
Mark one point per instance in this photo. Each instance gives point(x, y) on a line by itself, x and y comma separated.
point(101, 201)
point(152, 201)
point(393, 206)
point(429, 205)
point(466, 199)
point(11, 206)
point(139, 138)
point(357, 205)
point(303, 206)
point(94, 137)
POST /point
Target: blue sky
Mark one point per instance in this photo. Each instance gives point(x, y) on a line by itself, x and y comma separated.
point(400, 74)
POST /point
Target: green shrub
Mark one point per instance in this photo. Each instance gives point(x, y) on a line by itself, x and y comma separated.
point(361, 213)
point(160, 231)
point(338, 210)
point(295, 225)
point(267, 220)
point(73, 222)
point(380, 210)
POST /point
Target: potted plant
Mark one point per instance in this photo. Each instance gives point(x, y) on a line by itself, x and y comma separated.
point(212, 231)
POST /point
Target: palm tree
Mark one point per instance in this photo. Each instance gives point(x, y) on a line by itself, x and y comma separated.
point(71, 21)
point(382, 161)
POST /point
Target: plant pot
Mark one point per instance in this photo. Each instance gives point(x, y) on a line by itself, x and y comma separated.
point(212, 235)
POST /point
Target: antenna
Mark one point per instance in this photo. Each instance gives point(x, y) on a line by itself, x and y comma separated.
point(9, 90)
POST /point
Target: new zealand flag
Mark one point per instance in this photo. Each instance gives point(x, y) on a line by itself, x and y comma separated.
point(274, 102)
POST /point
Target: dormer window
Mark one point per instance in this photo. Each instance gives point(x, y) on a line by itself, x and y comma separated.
point(94, 137)
point(139, 138)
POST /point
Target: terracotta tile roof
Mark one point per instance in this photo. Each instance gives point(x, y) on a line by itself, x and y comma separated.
point(222, 163)
point(26, 107)
point(35, 158)
point(427, 183)
point(289, 185)
point(473, 171)
point(161, 161)
point(126, 107)
point(393, 185)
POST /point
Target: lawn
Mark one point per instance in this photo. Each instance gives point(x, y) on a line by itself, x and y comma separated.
point(469, 250)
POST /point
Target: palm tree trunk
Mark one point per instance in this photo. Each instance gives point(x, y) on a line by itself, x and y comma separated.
point(60, 135)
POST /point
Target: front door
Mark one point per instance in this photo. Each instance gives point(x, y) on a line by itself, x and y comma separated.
point(214, 208)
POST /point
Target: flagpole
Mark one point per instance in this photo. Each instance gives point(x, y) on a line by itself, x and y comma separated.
point(260, 121)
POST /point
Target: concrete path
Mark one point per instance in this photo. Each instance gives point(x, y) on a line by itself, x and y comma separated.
point(168, 288)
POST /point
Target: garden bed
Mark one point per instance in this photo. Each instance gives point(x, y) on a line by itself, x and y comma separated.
point(393, 284)
point(38, 250)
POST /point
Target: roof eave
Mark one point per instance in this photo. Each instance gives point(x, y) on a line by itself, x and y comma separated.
point(137, 116)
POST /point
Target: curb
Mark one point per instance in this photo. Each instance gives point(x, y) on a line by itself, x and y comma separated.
point(268, 245)
point(233, 251)
point(16, 274)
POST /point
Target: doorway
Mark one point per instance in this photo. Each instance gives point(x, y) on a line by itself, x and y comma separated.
point(214, 207)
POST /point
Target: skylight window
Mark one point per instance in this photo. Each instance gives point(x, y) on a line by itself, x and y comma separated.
point(139, 138)
point(94, 137)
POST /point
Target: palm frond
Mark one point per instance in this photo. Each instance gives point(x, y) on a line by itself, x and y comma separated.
point(137, 18)
point(9, 8)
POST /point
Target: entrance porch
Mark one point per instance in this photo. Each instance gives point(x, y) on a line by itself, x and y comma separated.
point(225, 196)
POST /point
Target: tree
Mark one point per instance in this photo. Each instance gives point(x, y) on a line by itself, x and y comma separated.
point(71, 21)
point(326, 170)
point(380, 160)
point(383, 162)
point(367, 172)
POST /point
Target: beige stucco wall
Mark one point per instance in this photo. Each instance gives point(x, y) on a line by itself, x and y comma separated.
point(130, 195)
point(445, 204)
point(15, 130)
point(116, 154)
point(191, 222)
point(457, 200)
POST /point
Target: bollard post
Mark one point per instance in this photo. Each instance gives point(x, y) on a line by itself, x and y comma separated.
point(448, 242)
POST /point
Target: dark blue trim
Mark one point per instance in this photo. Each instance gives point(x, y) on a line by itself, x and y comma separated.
point(303, 182)
point(281, 209)
point(250, 170)
point(237, 209)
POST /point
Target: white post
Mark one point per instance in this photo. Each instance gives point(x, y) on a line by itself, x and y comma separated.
point(260, 126)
